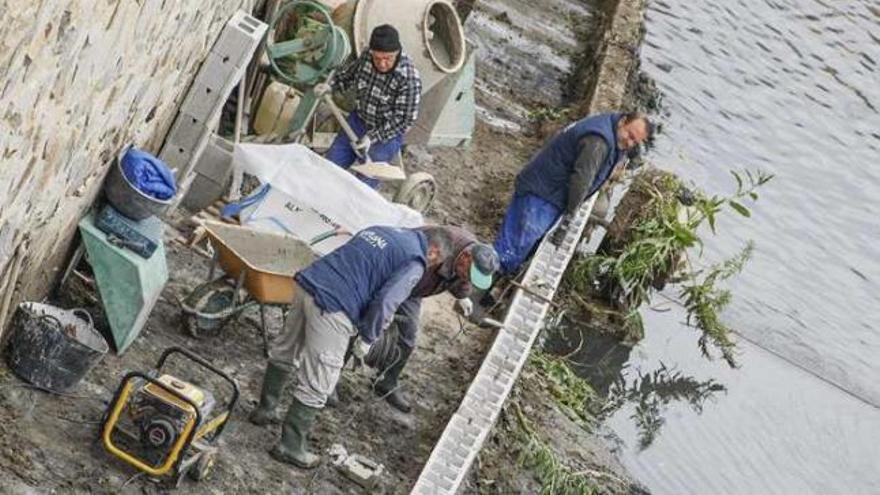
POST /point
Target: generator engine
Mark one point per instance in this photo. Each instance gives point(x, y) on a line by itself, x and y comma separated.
point(167, 427)
point(161, 418)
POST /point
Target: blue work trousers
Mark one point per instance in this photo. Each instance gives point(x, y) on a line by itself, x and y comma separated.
point(526, 221)
point(342, 154)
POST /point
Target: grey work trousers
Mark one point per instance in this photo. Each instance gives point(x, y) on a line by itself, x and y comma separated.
point(314, 342)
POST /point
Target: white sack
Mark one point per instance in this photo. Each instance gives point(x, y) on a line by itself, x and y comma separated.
point(317, 183)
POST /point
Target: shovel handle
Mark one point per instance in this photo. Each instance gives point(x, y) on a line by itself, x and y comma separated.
point(352, 137)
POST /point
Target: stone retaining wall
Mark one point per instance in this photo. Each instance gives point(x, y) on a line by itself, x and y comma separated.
point(79, 80)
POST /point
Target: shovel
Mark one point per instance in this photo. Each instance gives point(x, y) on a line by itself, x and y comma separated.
point(371, 169)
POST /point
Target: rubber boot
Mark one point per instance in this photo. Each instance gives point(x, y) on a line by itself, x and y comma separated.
point(294, 445)
point(387, 386)
point(274, 380)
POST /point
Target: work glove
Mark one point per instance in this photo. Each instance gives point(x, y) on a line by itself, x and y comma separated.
point(360, 349)
point(558, 235)
point(364, 144)
point(464, 306)
point(322, 89)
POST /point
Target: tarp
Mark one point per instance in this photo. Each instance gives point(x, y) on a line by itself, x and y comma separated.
point(148, 174)
point(318, 184)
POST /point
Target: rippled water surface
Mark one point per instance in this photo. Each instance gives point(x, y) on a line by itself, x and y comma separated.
point(792, 87)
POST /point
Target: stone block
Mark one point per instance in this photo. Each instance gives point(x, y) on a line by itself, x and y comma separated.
point(187, 131)
point(215, 162)
point(211, 89)
point(179, 158)
point(239, 39)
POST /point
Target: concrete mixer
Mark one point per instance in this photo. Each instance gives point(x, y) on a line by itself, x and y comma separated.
point(304, 48)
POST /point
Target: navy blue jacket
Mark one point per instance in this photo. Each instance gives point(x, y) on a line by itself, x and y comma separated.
point(359, 274)
point(547, 175)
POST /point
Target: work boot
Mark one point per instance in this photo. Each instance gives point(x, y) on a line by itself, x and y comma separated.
point(387, 386)
point(274, 380)
point(294, 445)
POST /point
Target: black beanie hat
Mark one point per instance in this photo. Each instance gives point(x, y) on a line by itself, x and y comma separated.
point(385, 39)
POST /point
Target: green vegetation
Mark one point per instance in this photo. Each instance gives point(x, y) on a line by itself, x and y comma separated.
point(704, 302)
point(549, 114)
point(649, 244)
point(572, 393)
point(555, 477)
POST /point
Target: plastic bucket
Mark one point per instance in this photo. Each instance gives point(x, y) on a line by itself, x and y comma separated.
point(52, 348)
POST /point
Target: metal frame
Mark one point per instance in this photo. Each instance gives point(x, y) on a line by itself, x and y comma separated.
point(177, 454)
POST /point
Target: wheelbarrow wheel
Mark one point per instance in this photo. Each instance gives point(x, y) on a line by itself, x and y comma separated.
point(417, 191)
point(203, 467)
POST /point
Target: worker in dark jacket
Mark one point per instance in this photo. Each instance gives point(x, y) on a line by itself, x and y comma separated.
point(352, 292)
point(470, 264)
point(388, 90)
point(567, 171)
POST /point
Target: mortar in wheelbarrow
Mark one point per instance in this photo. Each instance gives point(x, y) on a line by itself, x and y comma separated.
point(269, 260)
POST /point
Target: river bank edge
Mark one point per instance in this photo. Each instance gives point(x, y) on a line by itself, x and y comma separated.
point(542, 428)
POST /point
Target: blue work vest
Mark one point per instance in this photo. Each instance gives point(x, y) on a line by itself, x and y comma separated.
point(348, 278)
point(547, 175)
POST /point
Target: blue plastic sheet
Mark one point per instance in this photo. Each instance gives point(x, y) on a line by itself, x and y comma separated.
point(528, 218)
point(148, 174)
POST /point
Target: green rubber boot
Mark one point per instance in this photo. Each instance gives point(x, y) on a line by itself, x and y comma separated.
point(294, 445)
point(274, 380)
point(388, 386)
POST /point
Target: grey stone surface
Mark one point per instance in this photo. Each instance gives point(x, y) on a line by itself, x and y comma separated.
point(79, 80)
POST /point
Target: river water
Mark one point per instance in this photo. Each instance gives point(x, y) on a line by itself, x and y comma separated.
point(791, 87)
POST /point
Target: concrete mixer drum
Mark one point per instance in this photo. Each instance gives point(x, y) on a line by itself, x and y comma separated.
point(430, 31)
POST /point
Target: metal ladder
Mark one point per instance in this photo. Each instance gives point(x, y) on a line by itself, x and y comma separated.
point(465, 433)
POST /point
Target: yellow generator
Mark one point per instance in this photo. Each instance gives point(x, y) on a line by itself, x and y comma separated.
point(166, 426)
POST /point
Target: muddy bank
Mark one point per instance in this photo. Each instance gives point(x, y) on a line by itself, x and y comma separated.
point(527, 62)
point(50, 442)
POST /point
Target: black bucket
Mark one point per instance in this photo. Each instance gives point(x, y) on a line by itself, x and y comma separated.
point(52, 348)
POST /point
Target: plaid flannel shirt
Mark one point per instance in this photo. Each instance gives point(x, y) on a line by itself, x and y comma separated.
point(388, 103)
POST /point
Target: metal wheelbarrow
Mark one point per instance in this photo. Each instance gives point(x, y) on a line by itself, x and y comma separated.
point(262, 265)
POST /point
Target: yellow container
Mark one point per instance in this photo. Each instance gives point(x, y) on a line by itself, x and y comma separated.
point(276, 109)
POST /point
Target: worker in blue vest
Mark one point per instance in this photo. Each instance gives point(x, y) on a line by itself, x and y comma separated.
point(565, 172)
point(352, 292)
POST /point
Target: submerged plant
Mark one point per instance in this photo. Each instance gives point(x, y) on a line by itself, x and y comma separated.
point(572, 393)
point(647, 247)
point(555, 477)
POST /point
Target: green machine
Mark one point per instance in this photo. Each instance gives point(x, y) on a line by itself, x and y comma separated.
point(306, 43)
point(304, 47)
point(129, 285)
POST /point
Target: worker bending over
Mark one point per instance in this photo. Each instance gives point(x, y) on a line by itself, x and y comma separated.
point(352, 292)
point(468, 264)
point(565, 172)
point(388, 90)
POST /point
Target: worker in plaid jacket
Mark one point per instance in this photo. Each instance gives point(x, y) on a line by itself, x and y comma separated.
point(388, 91)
